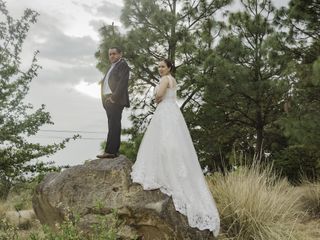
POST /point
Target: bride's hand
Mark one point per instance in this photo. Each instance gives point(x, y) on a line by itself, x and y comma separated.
point(158, 100)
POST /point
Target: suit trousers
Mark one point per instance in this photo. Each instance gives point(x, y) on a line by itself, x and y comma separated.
point(114, 114)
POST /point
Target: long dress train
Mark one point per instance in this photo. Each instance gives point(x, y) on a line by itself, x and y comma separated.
point(167, 160)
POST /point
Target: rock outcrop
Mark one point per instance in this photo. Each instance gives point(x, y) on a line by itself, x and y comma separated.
point(100, 187)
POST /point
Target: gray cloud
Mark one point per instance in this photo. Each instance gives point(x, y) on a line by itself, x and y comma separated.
point(54, 44)
point(97, 24)
point(68, 49)
point(71, 75)
point(109, 10)
point(65, 59)
point(105, 9)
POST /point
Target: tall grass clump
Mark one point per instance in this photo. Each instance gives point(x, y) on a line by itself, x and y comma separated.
point(255, 204)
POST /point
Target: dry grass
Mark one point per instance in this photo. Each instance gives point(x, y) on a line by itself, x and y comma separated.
point(255, 204)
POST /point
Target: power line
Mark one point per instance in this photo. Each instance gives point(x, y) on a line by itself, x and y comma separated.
point(71, 131)
point(59, 137)
point(68, 131)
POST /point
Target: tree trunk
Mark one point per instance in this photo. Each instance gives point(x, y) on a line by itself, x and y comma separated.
point(259, 132)
point(173, 39)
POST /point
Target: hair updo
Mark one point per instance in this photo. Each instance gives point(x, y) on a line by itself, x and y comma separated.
point(168, 63)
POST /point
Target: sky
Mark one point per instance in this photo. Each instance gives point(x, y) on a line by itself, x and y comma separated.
point(66, 34)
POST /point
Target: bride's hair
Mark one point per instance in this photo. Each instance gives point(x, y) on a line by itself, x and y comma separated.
point(169, 64)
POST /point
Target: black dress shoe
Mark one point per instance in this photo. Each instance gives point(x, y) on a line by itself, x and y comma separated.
point(107, 155)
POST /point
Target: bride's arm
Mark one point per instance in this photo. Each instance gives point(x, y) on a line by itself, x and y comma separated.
point(164, 83)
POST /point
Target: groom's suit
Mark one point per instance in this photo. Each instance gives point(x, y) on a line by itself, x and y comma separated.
point(118, 79)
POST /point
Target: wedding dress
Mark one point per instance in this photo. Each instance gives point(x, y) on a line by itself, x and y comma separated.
point(167, 160)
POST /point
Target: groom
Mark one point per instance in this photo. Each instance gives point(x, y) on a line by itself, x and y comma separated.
point(114, 95)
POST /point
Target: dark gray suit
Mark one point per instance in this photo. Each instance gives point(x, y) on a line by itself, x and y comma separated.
point(118, 83)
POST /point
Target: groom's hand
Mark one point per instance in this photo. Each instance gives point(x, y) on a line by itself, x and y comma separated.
point(109, 99)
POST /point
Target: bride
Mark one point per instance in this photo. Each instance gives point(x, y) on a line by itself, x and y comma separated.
point(167, 159)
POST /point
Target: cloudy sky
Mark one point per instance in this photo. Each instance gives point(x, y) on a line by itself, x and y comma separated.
point(66, 35)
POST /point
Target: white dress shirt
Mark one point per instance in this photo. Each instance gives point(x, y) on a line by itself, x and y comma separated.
point(106, 87)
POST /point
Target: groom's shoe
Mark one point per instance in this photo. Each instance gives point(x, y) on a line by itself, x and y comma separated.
point(107, 155)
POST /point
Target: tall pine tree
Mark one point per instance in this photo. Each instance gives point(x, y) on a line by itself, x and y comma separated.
point(245, 89)
point(182, 31)
point(302, 124)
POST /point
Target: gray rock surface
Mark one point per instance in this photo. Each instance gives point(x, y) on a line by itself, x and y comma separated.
point(102, 186)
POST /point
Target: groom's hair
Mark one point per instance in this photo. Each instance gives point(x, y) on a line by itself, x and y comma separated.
point(116, 48)
point(169, 64)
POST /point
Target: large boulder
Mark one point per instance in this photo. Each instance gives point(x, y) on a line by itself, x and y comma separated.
point(100, 187)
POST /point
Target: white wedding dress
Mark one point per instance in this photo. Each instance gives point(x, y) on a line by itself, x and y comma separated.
point(167, 160)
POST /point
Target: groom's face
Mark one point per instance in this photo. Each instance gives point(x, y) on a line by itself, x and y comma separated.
point(114, 55)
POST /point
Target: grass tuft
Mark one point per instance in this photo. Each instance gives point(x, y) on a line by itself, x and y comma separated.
point(255, 204)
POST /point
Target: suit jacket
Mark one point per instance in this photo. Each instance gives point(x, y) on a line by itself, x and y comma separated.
point(118, 82)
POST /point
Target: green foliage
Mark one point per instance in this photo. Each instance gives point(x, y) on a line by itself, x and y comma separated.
point(316, 72)
point(166, 33)
point(301, 125)
point(17, 120)
point(297, 161)
point(248, 85)
point(104, 229)
point(157, 30)
point(7, 231)
point(21, 193)
point(302, 18)
point(111, 37)
point(246, 88)
point(130, 147)
point(4, 187)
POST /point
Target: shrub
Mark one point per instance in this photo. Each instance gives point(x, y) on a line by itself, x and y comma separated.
point(296, 161)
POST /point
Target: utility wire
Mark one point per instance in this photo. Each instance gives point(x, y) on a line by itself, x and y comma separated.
point(71, 131)
point(59, 137)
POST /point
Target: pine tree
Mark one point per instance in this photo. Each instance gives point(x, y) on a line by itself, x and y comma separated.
point(184, 32)
point(302, 123)
point(246, 88)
